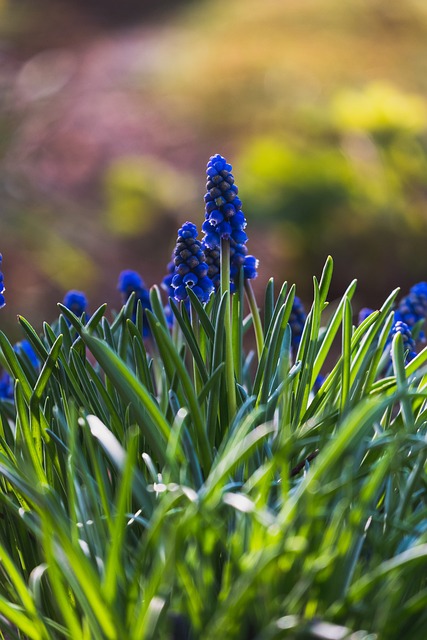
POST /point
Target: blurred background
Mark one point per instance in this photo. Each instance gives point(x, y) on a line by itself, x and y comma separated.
point(110, 110)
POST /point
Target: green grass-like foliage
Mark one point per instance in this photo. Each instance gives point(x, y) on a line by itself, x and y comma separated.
point(134, 505)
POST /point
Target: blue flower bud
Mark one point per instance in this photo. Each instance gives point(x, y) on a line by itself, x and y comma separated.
point(129, 282)
point(76, 301)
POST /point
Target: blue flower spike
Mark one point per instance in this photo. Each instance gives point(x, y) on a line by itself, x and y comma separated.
point(2, 300)
point(191, 269)
point(225, 220)
point(76, 302)
point(130, 281)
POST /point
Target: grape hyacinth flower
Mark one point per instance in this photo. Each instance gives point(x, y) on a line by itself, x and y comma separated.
point(191, 269)
point(225, 220)
point(129, 282)
point(76, 302)
point(413, 307)
point(2, 300)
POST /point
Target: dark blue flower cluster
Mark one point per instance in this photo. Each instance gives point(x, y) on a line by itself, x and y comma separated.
point(2, 300)
point(191, 269)
point(297, 321)
point(129, 282)
point(76, 302)
point(224, 219)
point(413, 307)
point(408, 341)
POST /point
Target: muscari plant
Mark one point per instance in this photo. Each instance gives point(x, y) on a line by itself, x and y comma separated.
point(180, 486)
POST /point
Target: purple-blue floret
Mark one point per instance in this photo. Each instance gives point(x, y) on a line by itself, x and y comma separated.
point(191, 268)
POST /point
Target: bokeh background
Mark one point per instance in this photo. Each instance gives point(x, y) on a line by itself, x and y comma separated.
point(109, 111)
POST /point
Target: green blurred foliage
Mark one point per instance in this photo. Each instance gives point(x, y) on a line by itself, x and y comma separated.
point(139, 191)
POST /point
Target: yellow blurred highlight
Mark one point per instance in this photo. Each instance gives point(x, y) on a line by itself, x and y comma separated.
point(139, 190)
point(66, 265)
point(380, 107)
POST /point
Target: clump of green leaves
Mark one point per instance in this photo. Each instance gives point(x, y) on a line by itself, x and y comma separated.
point(138, 502)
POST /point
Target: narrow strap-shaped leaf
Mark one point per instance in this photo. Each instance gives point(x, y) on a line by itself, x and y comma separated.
point(155, 428)
point(46, 371)
point(168, 351)
point(33, 338)
point(346, 353)
point(234, 457)
point(398, 358)
point(268, 304)
point(157, 306)
point(331, 331)
point(325, 280)
point(14, 365)
point(191, 341)
point(203, 316)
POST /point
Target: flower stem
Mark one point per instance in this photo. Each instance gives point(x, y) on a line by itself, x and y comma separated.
point(229, 360)
point(259, 335)
point(195, 326)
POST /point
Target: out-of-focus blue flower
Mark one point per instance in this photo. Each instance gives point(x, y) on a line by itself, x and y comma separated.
point(167, 286)
point(167, 280)
point(364, 313)
point(413, 307)
point(6, 380)
point(129, 282)
point(2, 300)
point(191, 269)
point(76, 302)
point(297, 321)
point(25, 347)
point(6, 386)
point(224, 219)
point(408, 341)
